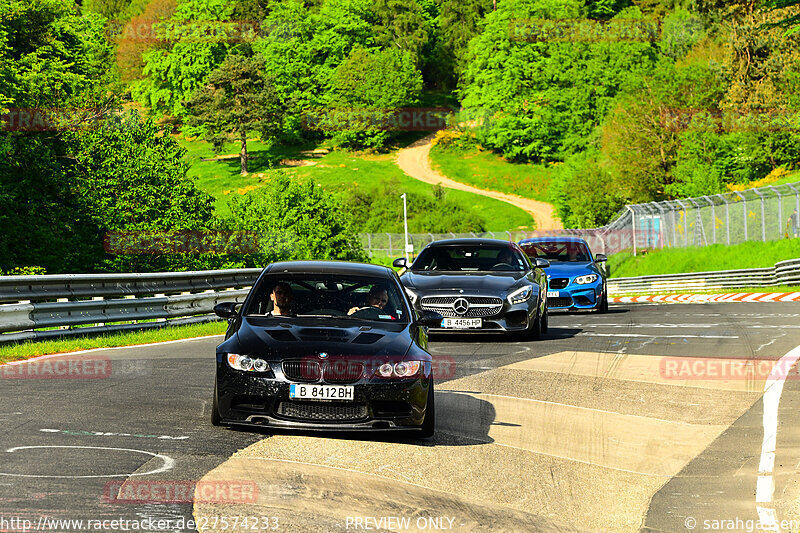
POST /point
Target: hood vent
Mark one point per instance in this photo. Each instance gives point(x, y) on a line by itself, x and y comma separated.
point(367, 338)
point(281, 335)
point(324, 335)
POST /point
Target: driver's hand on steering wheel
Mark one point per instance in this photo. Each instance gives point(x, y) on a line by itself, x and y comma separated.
point(354, 309)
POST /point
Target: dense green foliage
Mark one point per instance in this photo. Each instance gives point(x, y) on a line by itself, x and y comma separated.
point(295, 220)
point(606, 101)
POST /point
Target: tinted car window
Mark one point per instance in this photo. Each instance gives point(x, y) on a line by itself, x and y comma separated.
point(469, 258)
point(332, 295)
point(566, 252)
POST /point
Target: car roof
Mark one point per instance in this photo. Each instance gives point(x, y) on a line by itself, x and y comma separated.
point(476, 241)
point(552, 239)
point(329, 267)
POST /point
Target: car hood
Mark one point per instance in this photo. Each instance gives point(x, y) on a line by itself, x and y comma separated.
point(274, 339)
point(478, 281)
point(570, 270)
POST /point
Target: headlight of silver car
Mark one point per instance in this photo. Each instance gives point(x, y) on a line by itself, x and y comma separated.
point(520, 295)
point(412, 295)
point(583, 280)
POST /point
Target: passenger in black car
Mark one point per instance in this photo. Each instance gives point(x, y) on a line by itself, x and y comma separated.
point(282, 298)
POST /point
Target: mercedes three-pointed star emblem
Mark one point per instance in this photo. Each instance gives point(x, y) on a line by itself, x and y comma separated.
point(461, 306)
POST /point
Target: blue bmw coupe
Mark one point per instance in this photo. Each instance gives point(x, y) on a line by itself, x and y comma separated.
point(574, 278)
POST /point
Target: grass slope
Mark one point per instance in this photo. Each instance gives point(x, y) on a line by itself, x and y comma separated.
point(338, 172)
point(487, 170)
point(705, 258)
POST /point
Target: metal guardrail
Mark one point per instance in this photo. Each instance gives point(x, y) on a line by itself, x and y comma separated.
point(80, 304)
point(783, 273)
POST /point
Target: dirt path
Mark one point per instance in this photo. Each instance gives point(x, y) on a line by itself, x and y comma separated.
point(415, 162)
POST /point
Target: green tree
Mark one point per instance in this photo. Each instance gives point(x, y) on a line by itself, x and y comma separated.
point(537, 96)
point(295, 220)
point(235, 101)
point(402, 25)
point(369, 87)
point(201, 43)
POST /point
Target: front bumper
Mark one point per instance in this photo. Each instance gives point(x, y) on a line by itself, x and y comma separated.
point(576, 296)
point(378, 405)
point(510, 319)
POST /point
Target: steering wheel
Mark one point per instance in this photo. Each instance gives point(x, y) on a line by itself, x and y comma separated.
point(502, 266)
point(369, 312)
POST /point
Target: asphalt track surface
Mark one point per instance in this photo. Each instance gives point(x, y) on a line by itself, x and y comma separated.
point(614, 422)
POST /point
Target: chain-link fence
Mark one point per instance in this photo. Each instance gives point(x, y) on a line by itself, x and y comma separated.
point(763, 214)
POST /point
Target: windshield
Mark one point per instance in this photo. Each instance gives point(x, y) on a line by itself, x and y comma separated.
point(558, 252)
point(327, 295)
point(470, 258)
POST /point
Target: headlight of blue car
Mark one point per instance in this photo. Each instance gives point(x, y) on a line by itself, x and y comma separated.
point(585, 280)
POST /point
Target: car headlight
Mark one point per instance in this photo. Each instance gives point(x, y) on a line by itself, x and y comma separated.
point(520, 295)
point(412, 295)
point(403, 369)
point(583, 280)
point(246, 363)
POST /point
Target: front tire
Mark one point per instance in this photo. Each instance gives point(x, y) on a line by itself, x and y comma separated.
point(545, 321)
point(216, 420)
point(603, 307)
point(429, 424)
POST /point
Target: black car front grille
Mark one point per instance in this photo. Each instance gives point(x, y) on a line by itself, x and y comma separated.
point(302, 370)
point(559, 302)
point(343, 371)
point(322, 411)
point(558, 283)
point(443, 305)
point(311, 371)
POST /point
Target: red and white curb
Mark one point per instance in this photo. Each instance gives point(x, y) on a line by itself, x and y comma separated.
point(703, 298)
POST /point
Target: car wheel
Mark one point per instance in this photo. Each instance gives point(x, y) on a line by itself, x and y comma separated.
point(216, 420)
point(429, 424)
point(603, 307)
point(534, 331)
point(545, 321)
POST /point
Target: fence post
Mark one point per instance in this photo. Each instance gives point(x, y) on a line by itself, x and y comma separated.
point(633, 227)
point(763, 219)
point(727, 217)
point(780, 210)
point(744, 212)
point(713, 219)
point(369, 244)
point(390, 244)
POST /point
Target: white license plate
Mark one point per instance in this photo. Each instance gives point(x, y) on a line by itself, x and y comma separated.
point(320, 392)
point(462, 323)
point(552, 294)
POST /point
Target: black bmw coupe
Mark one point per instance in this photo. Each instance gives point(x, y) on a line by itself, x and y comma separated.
point(479, 285)
point(325, 345)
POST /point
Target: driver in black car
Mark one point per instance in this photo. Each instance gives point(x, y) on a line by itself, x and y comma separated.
point(282, 298)
point(377, 297)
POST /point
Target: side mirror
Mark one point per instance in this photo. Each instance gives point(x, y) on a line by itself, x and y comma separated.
point(226, 310)
point(400, 262)
point(541, 263)
point(430, 319)
point(600, 258)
